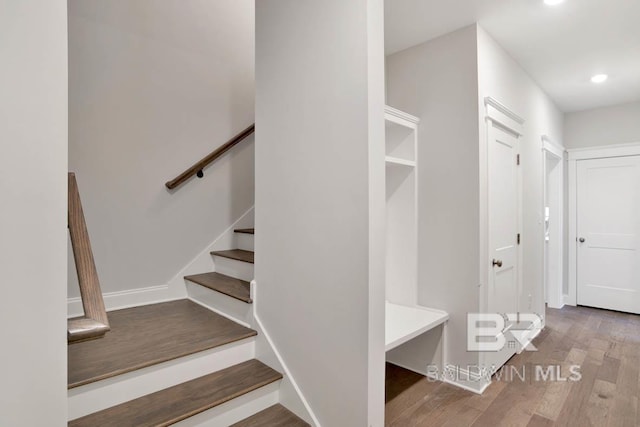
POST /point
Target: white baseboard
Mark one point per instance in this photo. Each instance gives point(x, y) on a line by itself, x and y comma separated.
point(557, 306)
point(461, 378)
point(465, 379)
point(124, 299)
point(568, 300)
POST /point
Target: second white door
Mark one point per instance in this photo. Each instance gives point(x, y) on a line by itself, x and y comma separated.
point(608, 232)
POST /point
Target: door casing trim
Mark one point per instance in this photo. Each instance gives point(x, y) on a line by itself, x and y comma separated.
point(553, 149)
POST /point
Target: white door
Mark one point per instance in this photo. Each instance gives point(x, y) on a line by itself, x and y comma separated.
point(608, 243)
point(503, 221)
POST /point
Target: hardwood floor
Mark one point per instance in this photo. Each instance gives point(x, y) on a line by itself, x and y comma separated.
point(275, 416)
point(237, 254)
point(605, 344)
point(235, 288)
point(245, 230)
point(148, 335)
point(177, 403)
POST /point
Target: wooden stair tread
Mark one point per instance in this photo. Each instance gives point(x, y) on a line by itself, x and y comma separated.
point(235, 288)
point(274, 416)
point(245, 230)
point(182, 401)
point(237, 254)
point(148, 335)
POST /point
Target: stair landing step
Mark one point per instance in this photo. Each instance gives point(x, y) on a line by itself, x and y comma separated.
point(237, 254)
point(275, 416)
point(182, 401)
point(245, 230)
point(235, 288)
point(148, 335)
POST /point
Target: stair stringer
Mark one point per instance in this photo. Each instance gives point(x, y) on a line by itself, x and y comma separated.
point(204, 261)
point(291, 395)
point(265, 350)
point(175, 288)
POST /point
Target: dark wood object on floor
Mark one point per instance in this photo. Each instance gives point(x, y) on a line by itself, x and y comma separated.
point(199, 166)
point(237, 254)
point(245, 230)
point(148, 335)
point(275, 416)
point(95, 322)
point(235, 288)
point(182, 401)
point(606, 346)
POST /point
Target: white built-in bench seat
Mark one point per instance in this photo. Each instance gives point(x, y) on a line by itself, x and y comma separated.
point(403, 323)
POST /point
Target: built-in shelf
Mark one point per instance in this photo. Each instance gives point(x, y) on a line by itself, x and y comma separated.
point(403, 323)
point(399, 162)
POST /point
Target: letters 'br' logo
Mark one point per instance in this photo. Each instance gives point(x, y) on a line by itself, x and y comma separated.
point(494, 331)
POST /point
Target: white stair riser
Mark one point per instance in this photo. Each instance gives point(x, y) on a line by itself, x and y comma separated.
point(104, 394)
point(244, 241)
point(234, 268)
point(231, 308)
point(237, 409)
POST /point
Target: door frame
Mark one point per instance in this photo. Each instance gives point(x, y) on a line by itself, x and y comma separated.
point(554, 297)
point(575, 155)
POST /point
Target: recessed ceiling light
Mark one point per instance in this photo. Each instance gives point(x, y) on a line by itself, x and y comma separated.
point(553, 2)
point(599, 78)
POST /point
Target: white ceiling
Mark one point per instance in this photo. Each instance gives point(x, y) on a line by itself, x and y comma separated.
point(561, 47)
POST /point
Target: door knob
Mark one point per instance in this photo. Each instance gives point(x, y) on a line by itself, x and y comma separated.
point(581, 240)
point(497, 262)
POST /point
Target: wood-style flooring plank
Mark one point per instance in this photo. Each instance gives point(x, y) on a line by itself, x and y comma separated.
point(235, 288)
point(538, 421)
point(403, 389)
point(148, 335)
point(237, 254)
point(604, 345)
point(274, 416)
point(182, 401)
point(245, 230)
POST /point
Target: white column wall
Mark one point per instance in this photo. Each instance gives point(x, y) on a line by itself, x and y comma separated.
point(319, 212)
point(33, 216)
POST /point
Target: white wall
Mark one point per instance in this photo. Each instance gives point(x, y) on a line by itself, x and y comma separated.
point(619, 124)
point(154, 87)
point(320, 200)
point(33, 217)
point(503, 79)
point(437, 82)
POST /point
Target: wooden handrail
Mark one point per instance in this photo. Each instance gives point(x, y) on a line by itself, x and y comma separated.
point(198, 167)
point(95, 323)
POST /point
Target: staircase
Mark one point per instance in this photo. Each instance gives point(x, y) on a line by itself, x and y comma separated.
point(189, 362)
